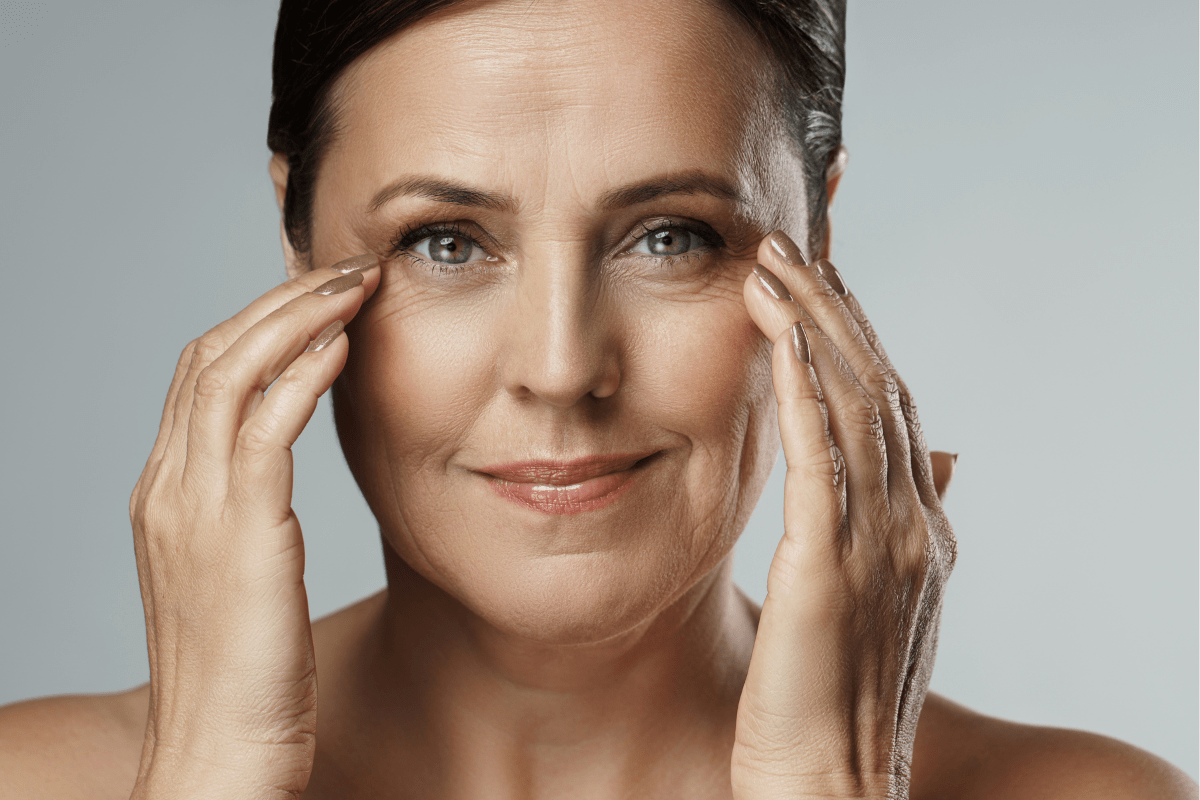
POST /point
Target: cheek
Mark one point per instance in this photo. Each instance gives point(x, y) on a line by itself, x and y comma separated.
point(705, 367)
point(417, 379)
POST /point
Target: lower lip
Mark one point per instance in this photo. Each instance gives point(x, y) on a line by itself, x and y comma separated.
point(574, 499)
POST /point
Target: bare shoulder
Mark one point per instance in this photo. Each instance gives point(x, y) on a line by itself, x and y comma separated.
point(969, 756)
point(74, 746)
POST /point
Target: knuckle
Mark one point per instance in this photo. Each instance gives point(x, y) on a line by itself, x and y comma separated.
point(863, 412)
point(156, 518)
point(295, 374)
point(823, 461)
point(886, 381)
point(908, 406)
point(254, 441)
point(213, 384)
point(135, 502)
point(185, 358)
point(208, 348)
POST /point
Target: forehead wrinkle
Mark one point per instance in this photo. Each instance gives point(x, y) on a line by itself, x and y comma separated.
point(547, 98)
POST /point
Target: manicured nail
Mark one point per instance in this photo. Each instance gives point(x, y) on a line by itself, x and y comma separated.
point(800, 343)
point(783, 245)
point(326, 336)
point(340, 284)
point(365, 261)
point(772, 284)
point(830, 273)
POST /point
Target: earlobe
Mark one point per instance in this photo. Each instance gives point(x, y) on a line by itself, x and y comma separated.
point(278, 169)
point(293, 263)
point(834, 171)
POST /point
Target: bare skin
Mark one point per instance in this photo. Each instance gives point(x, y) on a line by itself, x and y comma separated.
point(88, 746)
point(521, 653)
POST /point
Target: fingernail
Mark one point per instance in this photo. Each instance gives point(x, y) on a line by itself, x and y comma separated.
point(326, 336)
point(830, 273)
point(782, 244)
point(340, 284)
point(365, 261)
point(800, 343)
point(772, 284)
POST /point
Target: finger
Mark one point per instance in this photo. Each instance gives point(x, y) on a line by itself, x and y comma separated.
point(164, 429)
point(943, 471)
point(922, 469)
point(854, 417)
point(803, 614)
point(814, 508)
point(228, 388)
point(263, 452)
point(822, 297)
point(215, 342)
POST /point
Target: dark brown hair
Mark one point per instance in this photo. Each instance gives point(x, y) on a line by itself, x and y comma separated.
point(316, 39)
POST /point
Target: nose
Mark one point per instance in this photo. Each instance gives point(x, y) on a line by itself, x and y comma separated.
point(560, 342)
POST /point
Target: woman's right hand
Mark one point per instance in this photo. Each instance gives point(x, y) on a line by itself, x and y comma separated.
point(220, 556)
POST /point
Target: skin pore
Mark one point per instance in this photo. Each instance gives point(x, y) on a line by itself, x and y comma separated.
point(607, 648)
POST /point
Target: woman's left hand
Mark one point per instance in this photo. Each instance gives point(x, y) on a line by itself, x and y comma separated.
point(847, 635)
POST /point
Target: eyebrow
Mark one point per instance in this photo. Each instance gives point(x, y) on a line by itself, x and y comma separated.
point(692, 182)
point(444, 191)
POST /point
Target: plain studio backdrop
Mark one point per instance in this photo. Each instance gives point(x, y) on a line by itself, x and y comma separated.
point(1019, 220)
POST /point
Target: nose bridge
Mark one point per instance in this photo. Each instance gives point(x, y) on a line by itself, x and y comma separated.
point(558, 346)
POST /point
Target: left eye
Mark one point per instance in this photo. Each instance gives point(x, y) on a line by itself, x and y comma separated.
point(447, 248)
point(668, 242)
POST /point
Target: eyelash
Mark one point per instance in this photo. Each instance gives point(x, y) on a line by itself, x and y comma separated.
point(411, 235)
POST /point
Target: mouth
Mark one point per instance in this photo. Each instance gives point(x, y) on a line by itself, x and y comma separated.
point(567, 487)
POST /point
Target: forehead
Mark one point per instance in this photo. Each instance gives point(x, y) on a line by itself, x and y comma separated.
point(563, 97)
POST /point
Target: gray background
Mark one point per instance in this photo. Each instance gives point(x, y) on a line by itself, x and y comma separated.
point(1019, 219)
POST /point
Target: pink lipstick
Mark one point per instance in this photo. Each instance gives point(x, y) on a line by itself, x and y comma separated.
point(566, 487)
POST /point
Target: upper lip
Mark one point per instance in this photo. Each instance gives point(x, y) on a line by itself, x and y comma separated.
point(563, 473)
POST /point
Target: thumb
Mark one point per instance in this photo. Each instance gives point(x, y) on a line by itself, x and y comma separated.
point(943, 471)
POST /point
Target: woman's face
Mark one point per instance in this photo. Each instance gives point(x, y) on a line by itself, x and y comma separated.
point(569, 196)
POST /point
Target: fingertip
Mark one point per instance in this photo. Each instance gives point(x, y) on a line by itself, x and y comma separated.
point(800, 343)
point(326, 337)
point(785, 249)
point(360, 263)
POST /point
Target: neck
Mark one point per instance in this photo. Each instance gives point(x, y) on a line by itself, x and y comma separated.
point(471, 710)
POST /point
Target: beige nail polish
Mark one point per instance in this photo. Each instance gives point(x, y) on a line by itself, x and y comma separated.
point(340, 284)
point(772, 284)
point(354, 263)
point(800, 343)
point(830, 273)
point(785, 248)
point(325, 337)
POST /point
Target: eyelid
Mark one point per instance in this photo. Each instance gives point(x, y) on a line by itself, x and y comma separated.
point(706, 232)
point(410, 236)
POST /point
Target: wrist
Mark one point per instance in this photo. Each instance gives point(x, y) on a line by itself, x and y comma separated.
point(249, 772)
point(833, 786)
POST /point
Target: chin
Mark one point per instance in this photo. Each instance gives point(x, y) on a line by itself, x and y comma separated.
point(573, 599)
point(589, 596)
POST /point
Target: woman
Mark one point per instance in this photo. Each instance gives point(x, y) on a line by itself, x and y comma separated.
point(594, 295)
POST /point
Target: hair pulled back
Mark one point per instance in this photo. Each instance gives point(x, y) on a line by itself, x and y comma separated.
point(316, 39)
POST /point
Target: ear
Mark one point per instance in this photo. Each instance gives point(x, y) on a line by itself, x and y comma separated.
point(278, 169)
point(943, 470)
point(833, 176)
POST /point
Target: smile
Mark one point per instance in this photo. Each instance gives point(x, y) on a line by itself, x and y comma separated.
point(566, 487)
